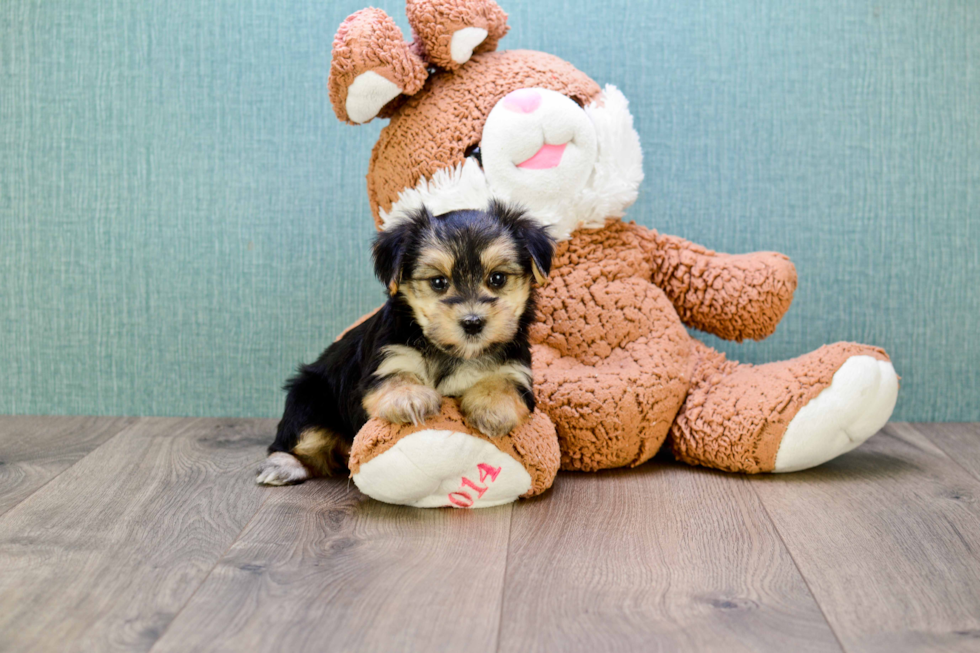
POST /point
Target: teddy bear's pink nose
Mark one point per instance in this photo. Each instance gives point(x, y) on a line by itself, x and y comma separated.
point(525, 100)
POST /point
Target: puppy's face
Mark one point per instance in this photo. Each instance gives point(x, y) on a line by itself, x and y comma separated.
point(468, 290)
point(467, 275)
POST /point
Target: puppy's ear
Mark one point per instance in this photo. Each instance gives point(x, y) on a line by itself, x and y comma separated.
point(388, 251)
point(541, 246)
point(535, 238)
point(390, 247)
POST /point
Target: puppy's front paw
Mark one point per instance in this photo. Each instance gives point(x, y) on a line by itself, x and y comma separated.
point(281, 469)
point(493, 422)
point(407, 403)
point(493, 413)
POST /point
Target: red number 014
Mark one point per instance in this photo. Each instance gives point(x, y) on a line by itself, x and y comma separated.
point(462, 498)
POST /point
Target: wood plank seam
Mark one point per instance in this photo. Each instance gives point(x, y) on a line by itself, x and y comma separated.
point(503, 585)
point(938, 444)
point(119, 543)
point(792, 557)
point(211, 570)
point(952, 460)
point(887, 529)
point(123, 427)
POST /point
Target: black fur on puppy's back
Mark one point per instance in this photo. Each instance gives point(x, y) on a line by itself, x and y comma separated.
point(327, 393)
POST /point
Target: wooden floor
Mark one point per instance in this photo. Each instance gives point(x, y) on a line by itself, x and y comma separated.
point(150, 535)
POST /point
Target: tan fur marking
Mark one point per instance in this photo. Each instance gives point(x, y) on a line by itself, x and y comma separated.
point(500, 255)
point(493, 406)
point(421, 308)
point(515, 295)
point(322, 451)
point(471, 373)
point(402, 400)
point(440, 321)
point(403, 360)
point(434, 259)
point(540, 277)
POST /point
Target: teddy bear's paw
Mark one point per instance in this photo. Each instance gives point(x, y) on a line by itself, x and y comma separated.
point(855, 406)
point(281, 469)
point(441, 468)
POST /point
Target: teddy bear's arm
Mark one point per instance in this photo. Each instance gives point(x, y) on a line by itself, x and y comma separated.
point(731, 296)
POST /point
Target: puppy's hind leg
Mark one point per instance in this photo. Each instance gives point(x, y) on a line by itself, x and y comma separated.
point(318, 452)
point(305, 446)
point(323, 452)
point(281, 468)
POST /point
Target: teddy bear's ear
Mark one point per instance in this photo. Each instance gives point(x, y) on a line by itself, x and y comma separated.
point(372, 65)
point(448, 32)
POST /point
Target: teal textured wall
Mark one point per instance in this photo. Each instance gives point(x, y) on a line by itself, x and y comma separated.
point(183, 220)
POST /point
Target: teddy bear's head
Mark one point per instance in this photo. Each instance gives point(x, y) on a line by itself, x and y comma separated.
point(469, 124)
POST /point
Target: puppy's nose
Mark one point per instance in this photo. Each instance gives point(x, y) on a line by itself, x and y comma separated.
point(524, 100)
point(472, 324)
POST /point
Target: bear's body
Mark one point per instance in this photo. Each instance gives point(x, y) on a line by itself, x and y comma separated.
point(616, 373)
point(612, 361)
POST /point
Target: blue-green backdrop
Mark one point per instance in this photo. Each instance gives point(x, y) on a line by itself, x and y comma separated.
point(183, 220)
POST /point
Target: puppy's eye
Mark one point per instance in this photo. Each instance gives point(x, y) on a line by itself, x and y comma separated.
point(439, 284)
point(497, 280)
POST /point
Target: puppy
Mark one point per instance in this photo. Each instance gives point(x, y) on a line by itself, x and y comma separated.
point(461, 298)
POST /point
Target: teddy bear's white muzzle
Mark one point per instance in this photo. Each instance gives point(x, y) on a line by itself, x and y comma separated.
point(538, 147)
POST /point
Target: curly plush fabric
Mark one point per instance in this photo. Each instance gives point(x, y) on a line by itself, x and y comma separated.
point(533, 444)
point(615, 362)
point(433, 130)
point(435, 21)
point(731, 296)
point(611, 364)
point(615, 371)
point(735, 415)
point(370, 41)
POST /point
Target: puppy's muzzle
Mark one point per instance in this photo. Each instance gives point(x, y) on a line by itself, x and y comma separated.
point(472, 325)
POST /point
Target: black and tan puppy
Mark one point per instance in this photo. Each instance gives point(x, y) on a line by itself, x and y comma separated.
point(461, 300)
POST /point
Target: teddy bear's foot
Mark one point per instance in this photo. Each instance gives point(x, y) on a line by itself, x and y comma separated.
point(855, 406)
point(783, 416)
point(436, 468)
point(444, 464)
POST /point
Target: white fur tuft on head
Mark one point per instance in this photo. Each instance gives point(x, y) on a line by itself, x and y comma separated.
point(450, 189)
point(619, 170)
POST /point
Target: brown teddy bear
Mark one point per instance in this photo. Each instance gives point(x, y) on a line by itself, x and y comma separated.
point(616, 373)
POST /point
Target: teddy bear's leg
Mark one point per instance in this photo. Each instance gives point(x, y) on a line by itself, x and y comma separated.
point(784, 416)
point(444, 463)
point(615, 412)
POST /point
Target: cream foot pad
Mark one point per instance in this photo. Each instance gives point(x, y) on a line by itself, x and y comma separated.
point(444, 463)
point(855, 406)
point(434, 469)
